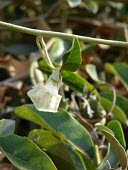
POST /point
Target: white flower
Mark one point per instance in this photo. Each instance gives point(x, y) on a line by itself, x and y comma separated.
point(89, 110)
point(93, 97)
point(46, 97)
point(103, 113)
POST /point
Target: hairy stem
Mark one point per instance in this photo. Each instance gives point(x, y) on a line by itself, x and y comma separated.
point(44, 33)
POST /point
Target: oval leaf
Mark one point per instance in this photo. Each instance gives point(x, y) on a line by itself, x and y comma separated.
point(75, 81)
point(46, 139)
point(116, 127)
point(119, 150)
point(7, 127)
point(59, 122)
point(57, 48)
point(24, 154)
point(72, 59)
point(110, 157)
point(59, 149)
point(91, 70)
point(76, 159)
point(102, 127)
point(117, 111)
point(120, 70)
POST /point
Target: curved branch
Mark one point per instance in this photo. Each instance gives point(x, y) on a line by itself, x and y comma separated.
point(44, 33)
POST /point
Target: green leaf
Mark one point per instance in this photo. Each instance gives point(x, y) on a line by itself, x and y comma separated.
point(60, 150)
point(116, 127)
point(60, 122)
point(121, 101)
point(113, 127)
point(18, 49)
point(73, 80)
point(110, 157)
point(91, 70)
point(64, 103)
point(76, 159)
point(72, 59)
point(73, 3)
point(57, 47)
point(45, 68)
point(102, 127)
point(91, 4)
point(7, 127)
point(46, 139)
point(88, 162)
point(117, 111)
point(119, 150)
point(120, 70)
point(24, 154)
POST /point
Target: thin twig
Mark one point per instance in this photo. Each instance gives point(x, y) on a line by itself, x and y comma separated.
point(89, 127)
point(43, 50)
point(44, 33)
point(14, 79)
point(113, 101)
point(113, 94)
point(39, 17)
point(126, 33)
point(97, 23)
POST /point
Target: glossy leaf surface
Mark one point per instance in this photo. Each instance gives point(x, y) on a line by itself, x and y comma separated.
point(119, 150)
point(91, 70)
point(72, 59)
point(24, 154)
point(7, 127)
point(60, 151)
point(116, 127)
point(59, 122)
point(57, 48)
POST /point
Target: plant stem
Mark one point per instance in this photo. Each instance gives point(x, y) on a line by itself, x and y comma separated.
point(43, 50)
point(44, 33)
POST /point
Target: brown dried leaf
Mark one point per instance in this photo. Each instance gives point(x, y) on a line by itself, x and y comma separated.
point(3, 98)
point(13, 66)
point(5, 166)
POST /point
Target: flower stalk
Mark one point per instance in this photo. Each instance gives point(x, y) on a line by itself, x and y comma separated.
point(46, 97)
point(43, 50)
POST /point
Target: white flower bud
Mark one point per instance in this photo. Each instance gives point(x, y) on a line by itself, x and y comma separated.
point(46, 98)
